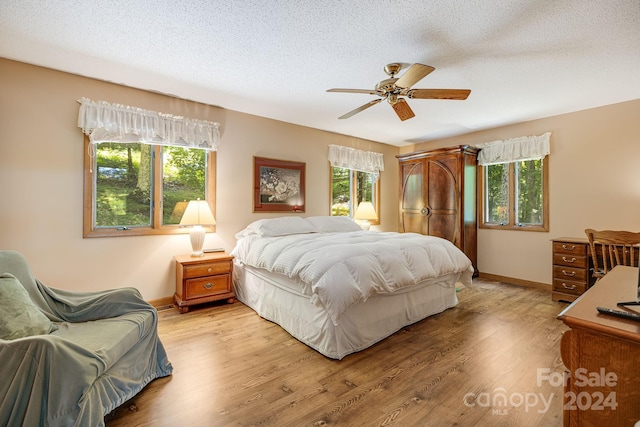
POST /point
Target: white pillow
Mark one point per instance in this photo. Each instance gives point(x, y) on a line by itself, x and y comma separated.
point(333, 224)
point(278, 227)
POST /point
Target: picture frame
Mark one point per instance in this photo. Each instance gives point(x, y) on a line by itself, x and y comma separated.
point(278, 185)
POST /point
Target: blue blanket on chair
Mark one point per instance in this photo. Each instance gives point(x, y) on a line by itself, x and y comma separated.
point(101, 350)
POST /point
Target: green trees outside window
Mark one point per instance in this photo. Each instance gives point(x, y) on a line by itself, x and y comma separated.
point(141, 187)
point(349, 188)
point(515, 195)
point(183, 179)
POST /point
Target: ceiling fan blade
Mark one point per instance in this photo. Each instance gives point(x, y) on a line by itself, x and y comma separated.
point(413, 75)
point(361, 108)
point(367, 91)
point(403, 110)
point(457, 94)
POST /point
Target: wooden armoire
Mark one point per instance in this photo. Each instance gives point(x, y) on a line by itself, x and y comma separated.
point(438, 196)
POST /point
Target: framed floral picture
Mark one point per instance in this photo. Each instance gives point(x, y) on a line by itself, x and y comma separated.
point(278, 185)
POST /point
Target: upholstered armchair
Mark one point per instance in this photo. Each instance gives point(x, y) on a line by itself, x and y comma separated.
point(70, 358)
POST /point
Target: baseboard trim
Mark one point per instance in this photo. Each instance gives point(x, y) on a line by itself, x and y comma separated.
point(161, 302)
point(518, 282)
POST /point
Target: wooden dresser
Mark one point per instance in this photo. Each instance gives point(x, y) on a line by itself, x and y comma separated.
point(602, 355)
point(572, 268)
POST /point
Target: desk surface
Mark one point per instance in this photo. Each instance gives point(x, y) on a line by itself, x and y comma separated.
point(620, 284)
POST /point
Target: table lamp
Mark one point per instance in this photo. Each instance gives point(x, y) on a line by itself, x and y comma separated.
point(365, 212)
point(197, 214)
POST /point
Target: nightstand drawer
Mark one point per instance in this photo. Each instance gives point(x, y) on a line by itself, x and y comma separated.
point(207, 286)
point(207, 269)
point(570, 260)
point(568, 248)
point(570, 273)
point(569, 287)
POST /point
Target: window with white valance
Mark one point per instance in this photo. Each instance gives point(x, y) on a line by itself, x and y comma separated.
point(142, 168)
point(105, 122)
point(354, 179)
point(514, 149)
point(351, 158)
point(514, 183)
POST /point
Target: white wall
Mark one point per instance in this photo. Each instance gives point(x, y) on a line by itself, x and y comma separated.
point(594, 179)
point(41, 173)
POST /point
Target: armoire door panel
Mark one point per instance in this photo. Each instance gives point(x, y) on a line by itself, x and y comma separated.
point(413, 222)
point(444, 226)
point(441, 191)
point(413, 192)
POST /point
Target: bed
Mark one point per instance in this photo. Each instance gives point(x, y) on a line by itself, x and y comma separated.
point(340, 289)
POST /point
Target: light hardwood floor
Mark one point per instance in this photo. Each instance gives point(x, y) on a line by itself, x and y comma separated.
point(232, 368)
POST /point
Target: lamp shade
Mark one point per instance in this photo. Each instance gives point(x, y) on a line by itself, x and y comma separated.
point(365, 211)
point(198, 212)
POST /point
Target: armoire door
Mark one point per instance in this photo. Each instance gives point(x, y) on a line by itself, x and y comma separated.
point(412, 197)
point(430, 201)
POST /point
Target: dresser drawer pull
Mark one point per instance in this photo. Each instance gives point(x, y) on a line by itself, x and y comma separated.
point(564, 285)
point(573, 273)
point(568, 247)
point(209, 269)
point(564, 258)
point(208, 285)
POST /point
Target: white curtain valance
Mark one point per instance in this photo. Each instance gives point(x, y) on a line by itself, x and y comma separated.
point(351, 158)
point(514, 149)
point(104, 122)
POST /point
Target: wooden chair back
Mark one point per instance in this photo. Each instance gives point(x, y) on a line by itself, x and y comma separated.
point(610, 248)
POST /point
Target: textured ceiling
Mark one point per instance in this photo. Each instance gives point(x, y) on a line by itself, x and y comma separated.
point(522, 59)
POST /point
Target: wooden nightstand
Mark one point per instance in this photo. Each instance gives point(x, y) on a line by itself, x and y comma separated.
point(203, 279)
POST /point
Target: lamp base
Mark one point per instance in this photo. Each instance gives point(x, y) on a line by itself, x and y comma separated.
point(197, 235)
point(365, 224)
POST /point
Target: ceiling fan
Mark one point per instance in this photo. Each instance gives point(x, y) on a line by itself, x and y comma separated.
point(394, 88)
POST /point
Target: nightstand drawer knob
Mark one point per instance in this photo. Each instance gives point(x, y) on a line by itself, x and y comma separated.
point(573, 273)
point(209, 269)
point(208, 285)
point(564, 258)
point(564, 285)
point(568, 247)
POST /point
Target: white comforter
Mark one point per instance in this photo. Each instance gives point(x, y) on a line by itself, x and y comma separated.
point(341, 269)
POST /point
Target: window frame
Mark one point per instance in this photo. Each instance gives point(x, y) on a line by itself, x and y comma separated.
point(544, 227)
point(156, 227)
point(354, 189)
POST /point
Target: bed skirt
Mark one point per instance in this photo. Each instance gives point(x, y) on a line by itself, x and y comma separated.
point(278, 299)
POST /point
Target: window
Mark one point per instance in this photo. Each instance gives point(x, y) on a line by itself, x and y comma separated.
point(350, 187)
point(515, 195)
point(140, 189)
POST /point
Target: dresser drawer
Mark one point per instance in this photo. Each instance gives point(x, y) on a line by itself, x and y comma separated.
point(570, 260)
point(207, 269)
point(569, 287)
point(570, 273)
point(571, 268)
point(568, 248)
point(207, 286)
